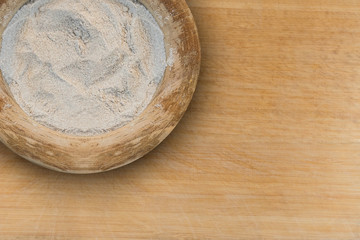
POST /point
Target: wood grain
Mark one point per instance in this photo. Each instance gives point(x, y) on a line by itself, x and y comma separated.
point(269, 149)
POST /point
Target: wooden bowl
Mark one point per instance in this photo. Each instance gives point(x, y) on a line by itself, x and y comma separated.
point(72, 154)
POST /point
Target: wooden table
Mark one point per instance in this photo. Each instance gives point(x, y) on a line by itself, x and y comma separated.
point(269, 149)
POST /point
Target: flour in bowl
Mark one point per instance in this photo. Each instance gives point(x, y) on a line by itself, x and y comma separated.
point(83, 67)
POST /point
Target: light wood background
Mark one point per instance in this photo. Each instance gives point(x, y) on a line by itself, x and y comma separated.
point(269, 149)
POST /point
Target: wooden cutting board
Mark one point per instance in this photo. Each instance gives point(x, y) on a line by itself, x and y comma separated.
point(269, 149)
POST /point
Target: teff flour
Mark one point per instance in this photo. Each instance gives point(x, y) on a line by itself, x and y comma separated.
point(83, 67)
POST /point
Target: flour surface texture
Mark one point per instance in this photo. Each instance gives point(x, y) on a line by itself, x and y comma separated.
point(83, 67)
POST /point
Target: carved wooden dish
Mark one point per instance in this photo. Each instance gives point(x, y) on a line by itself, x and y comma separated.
point(55, 150)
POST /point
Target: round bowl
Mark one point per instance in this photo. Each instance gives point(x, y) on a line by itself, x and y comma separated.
point(72, 154)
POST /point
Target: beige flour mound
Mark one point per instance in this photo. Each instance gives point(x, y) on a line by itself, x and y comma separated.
point(83, 67)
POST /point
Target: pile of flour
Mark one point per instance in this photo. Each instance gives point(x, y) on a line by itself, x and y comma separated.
point(83, 67)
